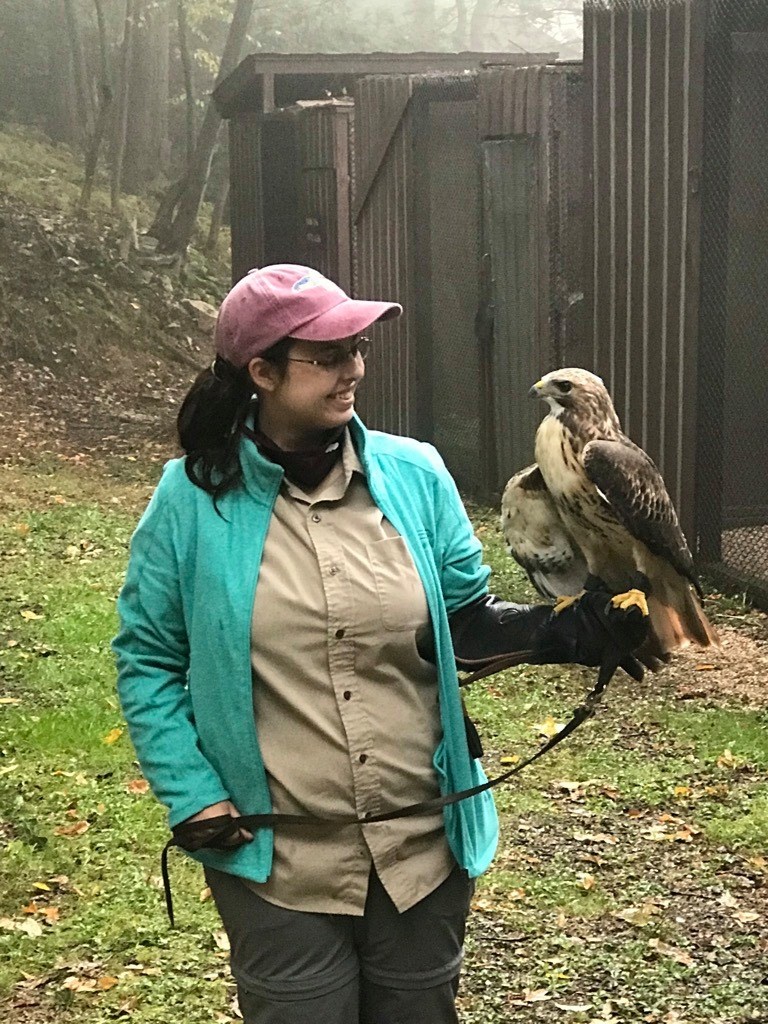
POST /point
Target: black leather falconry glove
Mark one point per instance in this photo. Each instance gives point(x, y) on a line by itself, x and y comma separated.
point(589, 632)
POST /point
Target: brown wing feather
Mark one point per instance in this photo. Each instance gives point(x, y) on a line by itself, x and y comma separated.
point(635, 490)
point(537, 538)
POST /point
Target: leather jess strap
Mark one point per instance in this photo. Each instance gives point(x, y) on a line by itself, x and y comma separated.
point(216, 833)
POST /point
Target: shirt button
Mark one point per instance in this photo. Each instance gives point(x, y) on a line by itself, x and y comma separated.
point(347, 695)
point(316, 518)
point(333, 570)
point(363, 758)
point(339, 634)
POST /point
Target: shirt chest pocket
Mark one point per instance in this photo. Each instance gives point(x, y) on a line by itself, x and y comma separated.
point(401, 594)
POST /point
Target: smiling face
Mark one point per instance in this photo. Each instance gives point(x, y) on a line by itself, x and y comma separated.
point(301, 401)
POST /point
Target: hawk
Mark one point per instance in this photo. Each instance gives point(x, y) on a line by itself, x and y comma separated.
point(594, 504)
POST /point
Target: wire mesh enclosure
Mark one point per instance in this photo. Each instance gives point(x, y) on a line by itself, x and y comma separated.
point(732, 477)
point(643, 64)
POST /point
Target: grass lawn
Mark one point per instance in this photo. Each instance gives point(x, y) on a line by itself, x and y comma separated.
point(631, 882)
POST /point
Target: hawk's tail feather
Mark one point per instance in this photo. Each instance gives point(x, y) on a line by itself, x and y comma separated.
point(677, 619)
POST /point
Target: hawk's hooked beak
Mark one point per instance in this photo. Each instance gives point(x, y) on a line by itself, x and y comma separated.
point(535, 391)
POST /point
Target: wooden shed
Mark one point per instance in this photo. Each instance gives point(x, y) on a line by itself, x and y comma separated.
point(290, 173)
point(530, 124)
point(290, 134)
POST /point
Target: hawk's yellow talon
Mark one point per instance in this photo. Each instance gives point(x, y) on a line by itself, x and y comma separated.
point(631, 599)
point(565, 601)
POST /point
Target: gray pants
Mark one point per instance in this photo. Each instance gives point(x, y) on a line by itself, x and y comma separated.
point(381, 968)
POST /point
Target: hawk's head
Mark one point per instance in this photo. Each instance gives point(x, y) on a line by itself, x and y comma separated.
point(580, 395)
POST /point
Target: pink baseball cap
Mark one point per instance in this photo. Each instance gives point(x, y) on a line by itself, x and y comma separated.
point(289, 300)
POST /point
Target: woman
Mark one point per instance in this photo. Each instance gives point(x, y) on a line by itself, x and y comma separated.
point(297, 592)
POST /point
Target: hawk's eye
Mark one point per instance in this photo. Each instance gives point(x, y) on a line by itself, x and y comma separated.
point(563, 385)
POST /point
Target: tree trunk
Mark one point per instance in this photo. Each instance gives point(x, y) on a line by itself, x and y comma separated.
point(121, 124)
point(63, 123)
point(460, 39)
point(478, 25)
point(424, 22)
point(146, 145)
point(186, 63)
point(105, 108)
point(217, 214)
point(193, 187)
point(80, 72)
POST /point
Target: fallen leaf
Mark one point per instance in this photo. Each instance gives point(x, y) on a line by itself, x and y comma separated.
point(574, 1007)
point(29, 615)
point(105, 983)
point(639, 917)
point(221, 939)
point(509, 759)
point(59, 499)
point(685, 834)
point(113, 736)
point(137, 786)
point(21, 528)
point(75, 984)
point(681, 791)
point(51, 915)
point(678, 955)
point(705, 668)
point(587, 882)
point(727, 900)
point(10, 700)
point(595, 837)
point(205, 894)
point(549, 727)
point(32, 928)
point(538, 995)
point(746, 916)
point(71, 831)
point(43, 886)
point(727, 760)
point(575, 790)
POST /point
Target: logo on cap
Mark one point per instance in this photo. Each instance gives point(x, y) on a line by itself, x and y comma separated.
point(308, 281)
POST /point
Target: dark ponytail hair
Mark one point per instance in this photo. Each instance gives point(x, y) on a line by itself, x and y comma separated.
point(212, 417)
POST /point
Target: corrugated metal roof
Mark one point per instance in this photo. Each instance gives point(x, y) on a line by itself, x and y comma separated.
point(239, 91)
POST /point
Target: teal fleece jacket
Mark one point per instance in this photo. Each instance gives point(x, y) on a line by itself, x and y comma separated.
point(183, 648)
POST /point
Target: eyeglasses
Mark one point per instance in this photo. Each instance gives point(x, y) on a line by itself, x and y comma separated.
point(333, 360)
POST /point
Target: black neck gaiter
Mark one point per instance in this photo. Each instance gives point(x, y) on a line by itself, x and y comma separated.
point(306, 468)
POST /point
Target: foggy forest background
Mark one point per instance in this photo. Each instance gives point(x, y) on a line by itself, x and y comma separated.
point(128, 82)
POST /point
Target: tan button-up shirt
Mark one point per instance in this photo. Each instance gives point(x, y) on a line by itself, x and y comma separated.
point(346, 710)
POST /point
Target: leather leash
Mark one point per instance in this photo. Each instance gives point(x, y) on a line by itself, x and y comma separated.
point(223, 827)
